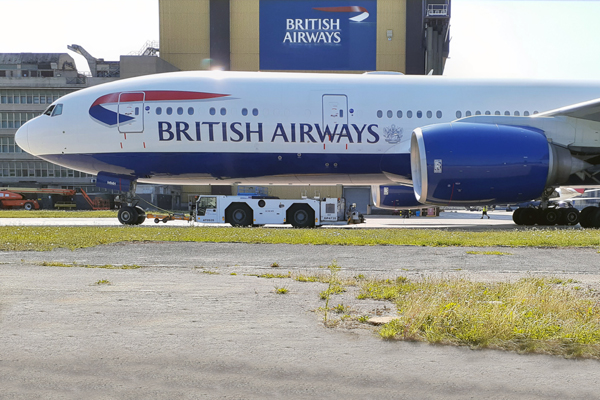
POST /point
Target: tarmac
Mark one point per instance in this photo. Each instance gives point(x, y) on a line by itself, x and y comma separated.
point(194, 322)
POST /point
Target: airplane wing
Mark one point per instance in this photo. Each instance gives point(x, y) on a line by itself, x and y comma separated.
point(588, 110)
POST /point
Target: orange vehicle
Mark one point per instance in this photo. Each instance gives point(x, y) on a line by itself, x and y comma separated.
point(15, 200)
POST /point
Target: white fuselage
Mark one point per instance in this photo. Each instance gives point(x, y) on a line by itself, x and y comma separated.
point(202, 127)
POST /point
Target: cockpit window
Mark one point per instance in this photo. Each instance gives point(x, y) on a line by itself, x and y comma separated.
point(49, 110)
point(57, 110)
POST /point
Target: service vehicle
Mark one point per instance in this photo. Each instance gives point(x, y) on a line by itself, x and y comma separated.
point(15, 200)
point(261, 210)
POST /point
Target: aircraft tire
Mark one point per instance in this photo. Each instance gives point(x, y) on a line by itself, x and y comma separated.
point(585, 216)
point(569, 216)
point(548, 217)
point(239, 214)
point(595, 218)
point(28, 206)
point(127, 215)
point(517, 216)
point(529, 216)
point(301, 216)
point(141, 216)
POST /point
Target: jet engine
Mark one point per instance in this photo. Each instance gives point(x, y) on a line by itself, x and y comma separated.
point(394, 197)
point(463, 163)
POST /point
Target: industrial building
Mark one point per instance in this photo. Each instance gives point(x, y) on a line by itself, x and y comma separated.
point(407, 36)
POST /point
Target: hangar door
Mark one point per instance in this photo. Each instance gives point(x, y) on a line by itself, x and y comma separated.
point(359, 195)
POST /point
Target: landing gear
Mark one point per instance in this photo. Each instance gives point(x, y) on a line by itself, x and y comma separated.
point(131, 213)
point(548, 214)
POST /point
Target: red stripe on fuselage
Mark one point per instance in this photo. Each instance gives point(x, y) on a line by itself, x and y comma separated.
point(341, 9)
point(155, 95)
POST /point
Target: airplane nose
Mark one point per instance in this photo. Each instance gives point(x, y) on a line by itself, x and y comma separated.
point(22, 137)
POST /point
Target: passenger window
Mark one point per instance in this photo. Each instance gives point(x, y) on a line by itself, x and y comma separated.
point(458, 114)
point(517, 113)
point(190, 110)
point(399, 114)
point(429, 114)
point(223, 111)
point(419, 114)
point(57, 110)
point(506, 112)
point(488, 113)
point(535, 112)
point(212, 111)
point(438, 114)
point(526, 113)
point(409, 114)
point(497, 113)
point(137, 111)
point(341, 113)
point(179, 110)
point(169, 111)
point(158, 110)
point(379, 113)
point(244, 111)
point(255, 111)
point(468, 113)
point(390, 114)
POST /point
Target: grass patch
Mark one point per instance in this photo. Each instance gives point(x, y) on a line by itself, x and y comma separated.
point(105, 266)
point(41, 238)
point(539, 315)
point(490, 253)
point(281, 290)
point(57, 214)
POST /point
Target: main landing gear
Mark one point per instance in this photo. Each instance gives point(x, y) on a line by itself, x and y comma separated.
point(547, 217)
point(549, 214)
point(130, 213)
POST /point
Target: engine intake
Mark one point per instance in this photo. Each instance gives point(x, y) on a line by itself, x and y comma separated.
point(464, 163)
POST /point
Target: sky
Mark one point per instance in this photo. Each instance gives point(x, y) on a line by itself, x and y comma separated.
point(489, 38)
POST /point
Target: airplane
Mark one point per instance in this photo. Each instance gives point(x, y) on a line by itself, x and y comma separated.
point(442, 141)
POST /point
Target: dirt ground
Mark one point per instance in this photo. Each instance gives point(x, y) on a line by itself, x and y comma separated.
point(185, 327)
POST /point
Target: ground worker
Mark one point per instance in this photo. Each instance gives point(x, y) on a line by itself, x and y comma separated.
point(484, 212)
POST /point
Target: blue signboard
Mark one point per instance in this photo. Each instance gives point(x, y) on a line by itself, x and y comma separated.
point(318, 35)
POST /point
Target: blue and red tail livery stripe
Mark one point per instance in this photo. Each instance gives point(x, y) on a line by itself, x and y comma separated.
point(99, 112)
point(364, 14)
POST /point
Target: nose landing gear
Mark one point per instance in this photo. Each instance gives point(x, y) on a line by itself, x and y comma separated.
point(131, 213)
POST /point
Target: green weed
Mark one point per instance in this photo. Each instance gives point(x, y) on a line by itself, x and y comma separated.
point(539, 315)
point(103, 282)
point(281, 290)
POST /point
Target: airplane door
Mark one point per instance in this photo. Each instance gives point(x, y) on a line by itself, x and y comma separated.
point(130, 112)
point(335, 110)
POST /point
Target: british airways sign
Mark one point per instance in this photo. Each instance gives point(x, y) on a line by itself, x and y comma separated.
point(318, 35)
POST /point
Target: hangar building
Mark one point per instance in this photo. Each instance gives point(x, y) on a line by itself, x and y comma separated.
point(407, 36)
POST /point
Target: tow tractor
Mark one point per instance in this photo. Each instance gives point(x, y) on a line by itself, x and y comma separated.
point(261, 210)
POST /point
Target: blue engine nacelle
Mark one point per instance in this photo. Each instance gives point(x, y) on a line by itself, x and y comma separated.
point(463, 163)
point(394, 197)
